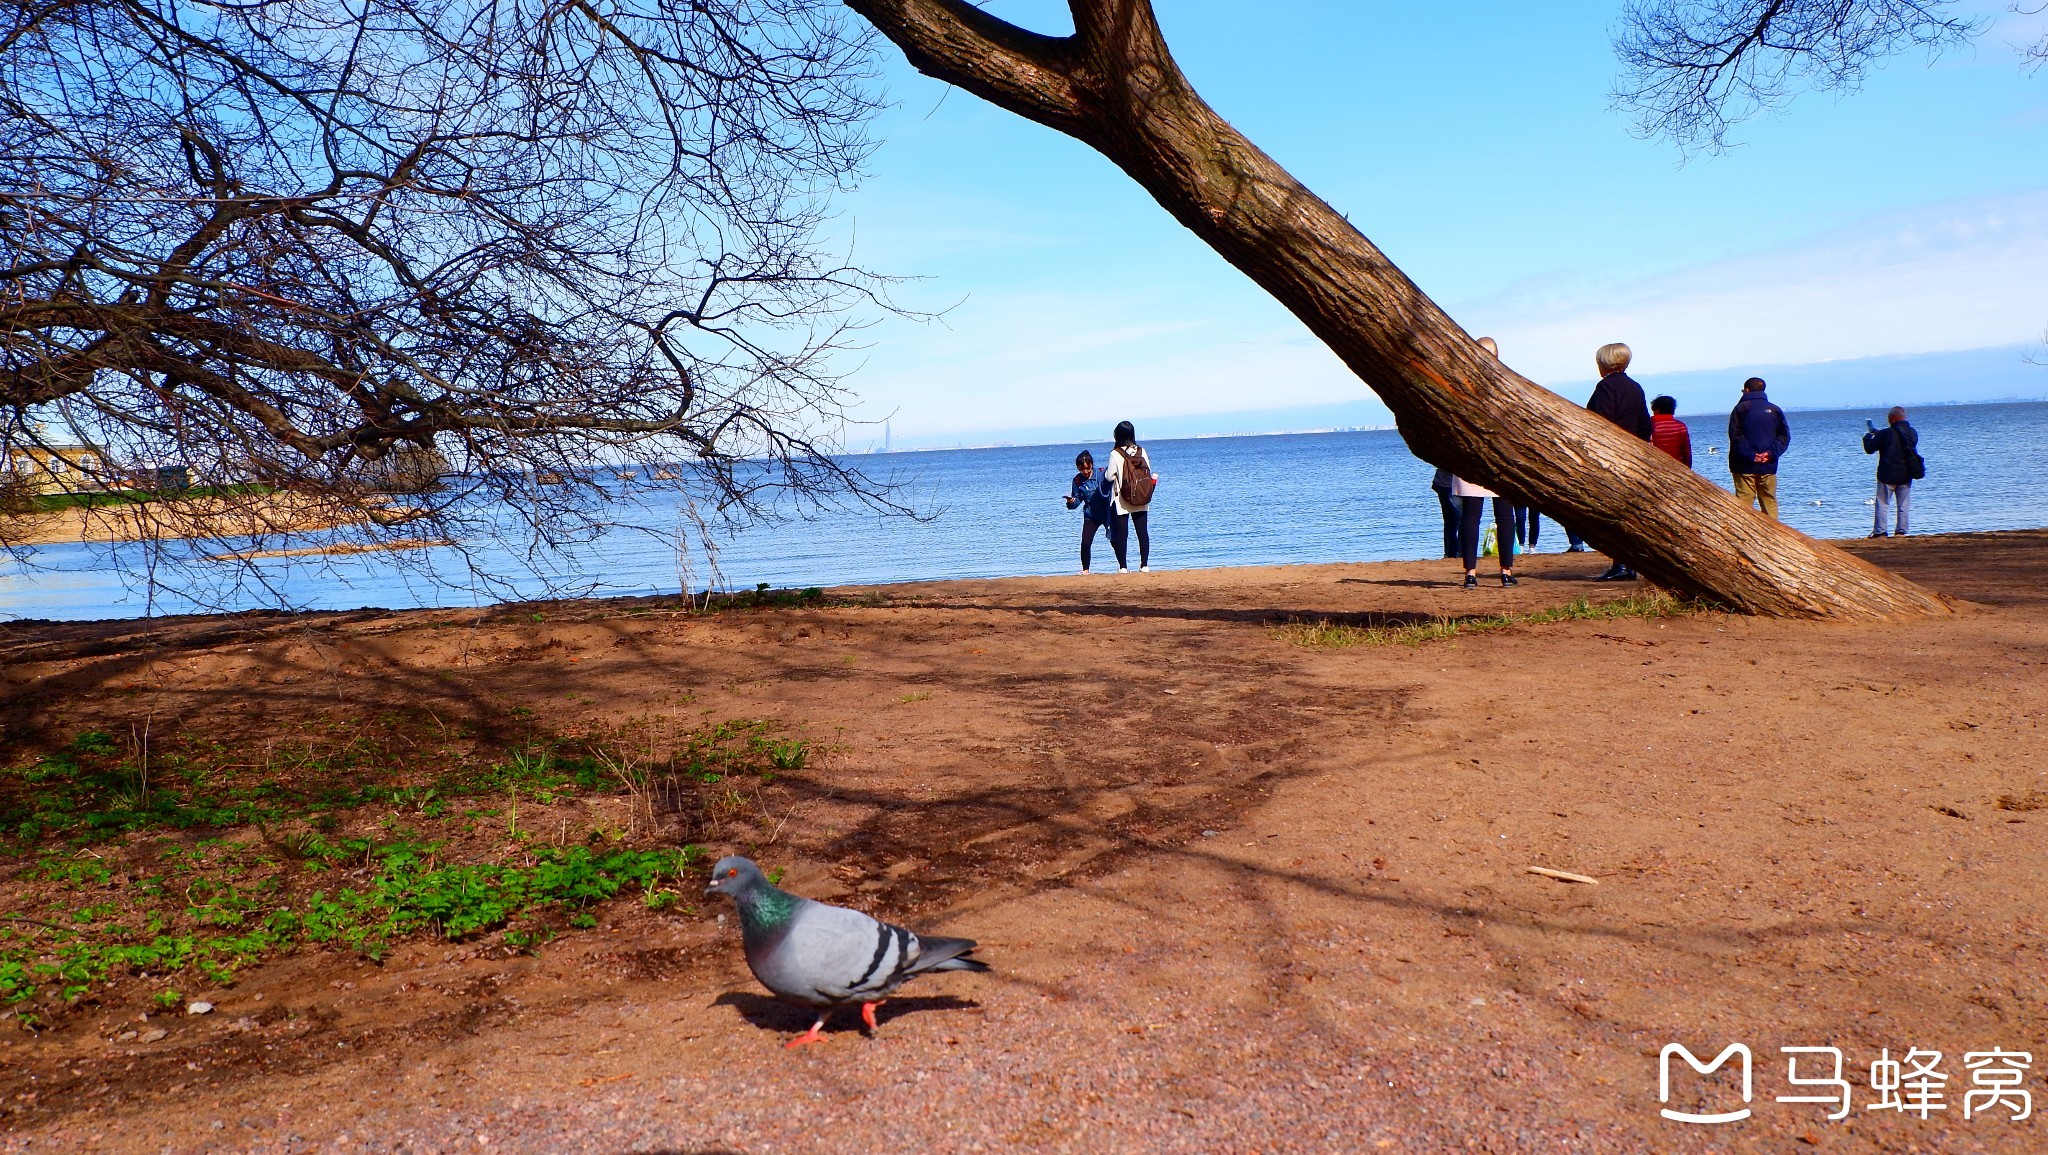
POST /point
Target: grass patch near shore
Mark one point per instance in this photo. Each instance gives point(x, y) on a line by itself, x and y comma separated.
point(143, 866)
point(1325, 634)
point(56, 502)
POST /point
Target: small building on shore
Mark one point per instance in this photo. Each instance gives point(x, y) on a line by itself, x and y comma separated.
point(42, 469)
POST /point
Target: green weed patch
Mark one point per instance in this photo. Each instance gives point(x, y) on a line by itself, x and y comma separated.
point(186, 857)
point(53, 502)
point(212, 926)
point(99, 787)
point(1324, 634)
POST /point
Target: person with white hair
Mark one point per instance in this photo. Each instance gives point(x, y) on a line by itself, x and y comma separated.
point(1619, 399)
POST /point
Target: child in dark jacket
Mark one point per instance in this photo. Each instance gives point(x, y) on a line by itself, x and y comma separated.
point(1090, 494)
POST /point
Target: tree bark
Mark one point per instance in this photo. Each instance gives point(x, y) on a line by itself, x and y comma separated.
point(1114, 86)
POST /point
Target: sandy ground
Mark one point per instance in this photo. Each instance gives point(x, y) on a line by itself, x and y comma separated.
point(1240, 894)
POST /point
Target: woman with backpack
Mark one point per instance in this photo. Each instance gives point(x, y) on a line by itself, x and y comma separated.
point(1130, 482)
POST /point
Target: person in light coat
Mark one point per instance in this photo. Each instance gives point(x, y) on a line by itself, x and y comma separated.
point(1127, 454)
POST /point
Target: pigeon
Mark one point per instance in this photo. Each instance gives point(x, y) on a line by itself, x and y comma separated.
point(827, 956)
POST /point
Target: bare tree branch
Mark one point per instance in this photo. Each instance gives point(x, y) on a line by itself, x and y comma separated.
point(285, 240)
point(1692, 69)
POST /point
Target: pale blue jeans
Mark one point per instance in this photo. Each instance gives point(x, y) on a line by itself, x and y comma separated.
point(1885, 495)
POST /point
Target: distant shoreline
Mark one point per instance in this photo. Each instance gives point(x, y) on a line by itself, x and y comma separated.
point(160, 519)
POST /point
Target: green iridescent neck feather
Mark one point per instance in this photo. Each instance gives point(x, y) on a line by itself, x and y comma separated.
point(765, 908)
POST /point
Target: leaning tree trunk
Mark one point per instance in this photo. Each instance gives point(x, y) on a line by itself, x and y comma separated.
point(1114, 86)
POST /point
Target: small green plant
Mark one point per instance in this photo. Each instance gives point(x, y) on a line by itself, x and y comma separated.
point(917, 696)
point(789, 755)
point(423, 800)
point(167, 999)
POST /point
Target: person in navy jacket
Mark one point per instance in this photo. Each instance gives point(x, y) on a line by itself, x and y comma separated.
point(1757, 437)
point(1897, 446)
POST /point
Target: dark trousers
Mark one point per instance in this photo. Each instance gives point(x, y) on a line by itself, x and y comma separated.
point(1573, 539)
point(1454, 517)
point(1120, 526)
point(1528, 525)
point(1503, 531)
point(1088, 527)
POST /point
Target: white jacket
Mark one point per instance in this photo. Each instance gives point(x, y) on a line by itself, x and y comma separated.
point(1114, 476)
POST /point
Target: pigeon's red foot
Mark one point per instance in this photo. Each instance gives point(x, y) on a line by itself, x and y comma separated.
point(867, 1014)
point(814, 1035)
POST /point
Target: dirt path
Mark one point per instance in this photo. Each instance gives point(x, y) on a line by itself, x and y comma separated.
point(1241, 894)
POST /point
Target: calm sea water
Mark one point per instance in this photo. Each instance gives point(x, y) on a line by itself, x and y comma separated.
point(1314, 497)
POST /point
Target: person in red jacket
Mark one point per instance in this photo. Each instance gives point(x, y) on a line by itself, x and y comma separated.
point(1667, 432)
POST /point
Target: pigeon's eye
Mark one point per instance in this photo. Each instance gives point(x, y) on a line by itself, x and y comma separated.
point(732, 872)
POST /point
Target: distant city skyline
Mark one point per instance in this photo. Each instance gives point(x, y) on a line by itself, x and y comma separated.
point(1903, 229)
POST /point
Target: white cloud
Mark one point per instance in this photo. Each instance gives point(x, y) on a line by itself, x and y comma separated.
point(1179, 335)
point(1032, 358)
point(1957, 275)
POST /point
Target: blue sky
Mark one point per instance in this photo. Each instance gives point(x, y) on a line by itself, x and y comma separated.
point(1473, 143)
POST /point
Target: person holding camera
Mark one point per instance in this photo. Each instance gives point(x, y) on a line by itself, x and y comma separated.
point(1899, 464)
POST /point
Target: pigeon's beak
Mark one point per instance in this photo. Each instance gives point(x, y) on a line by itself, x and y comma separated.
point(712, 889)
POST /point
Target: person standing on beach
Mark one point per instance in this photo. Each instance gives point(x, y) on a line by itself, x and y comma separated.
point(1454, 514)
point(1758, 436)
point(1897, 446)
point(1130, 482)
point(1528, 527)
point(1667, 432)
point(1472, 501)
point(1619, 399)
point(1089, 494)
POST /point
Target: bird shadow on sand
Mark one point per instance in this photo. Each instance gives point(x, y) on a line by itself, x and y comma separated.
point(771, 1014)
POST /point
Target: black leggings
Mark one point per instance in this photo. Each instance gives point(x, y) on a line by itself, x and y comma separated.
point(1120, 526)
point(1503, 527)
point(1454, 517)
point(1088, 527)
